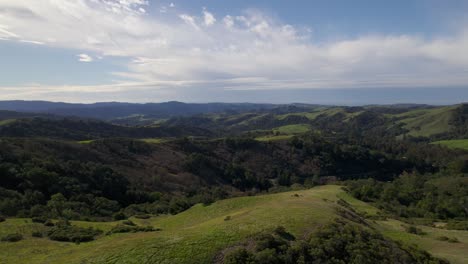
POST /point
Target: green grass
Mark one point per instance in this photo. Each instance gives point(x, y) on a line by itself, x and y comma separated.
point(193, 236)
point(426, 122)
point(292, 129)
point(327, 111)
point(274, 138)
point(147, 140)
point(454, 252)
point(6, 121)
point(454, 143)
point(154, 140)
point(86, 141)
point(196, 235)
point(308, 115)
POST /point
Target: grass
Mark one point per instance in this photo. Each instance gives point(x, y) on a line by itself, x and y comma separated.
point(274, 138)
point(426, 122)
point(193, 236)
point(155, 140)
point(196, 235)
point(454, 143)
point(86, 141)
point(6, 121)
point(285, 132)
point(292, 129)
point(327, 111)
point(147, 140)
point(454, 252)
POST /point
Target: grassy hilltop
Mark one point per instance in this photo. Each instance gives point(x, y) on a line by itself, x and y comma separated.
point(199, 234)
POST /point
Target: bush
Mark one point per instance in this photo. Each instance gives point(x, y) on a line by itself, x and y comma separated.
point(143, 216)
point(36, 234)
point(12, 237)
point(2, 219)
point(453, 240)
point(128, 222)
point(49, 223)
point(442, 238)
point(119, 216)
point(239, 256)
point(227, 218)
point(68, 233)
point(457, 225)
point(337, 242)
point(414, 230)
point(131, 229)
point(39, 219)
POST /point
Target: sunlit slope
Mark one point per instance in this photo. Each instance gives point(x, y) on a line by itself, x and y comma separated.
point(454, 143)
point(198, 234)
point(193, 236)
point(427, 122)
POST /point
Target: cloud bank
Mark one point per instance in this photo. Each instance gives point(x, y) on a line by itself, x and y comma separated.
point(247, 51)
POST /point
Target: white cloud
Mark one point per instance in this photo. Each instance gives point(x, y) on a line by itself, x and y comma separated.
point(84, 58)
point(208, 18)
point(32, 42)
point(190, 20)
point(228, 21)
point(245, 51)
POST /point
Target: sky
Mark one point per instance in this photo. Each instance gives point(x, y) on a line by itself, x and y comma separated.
point(308, 51)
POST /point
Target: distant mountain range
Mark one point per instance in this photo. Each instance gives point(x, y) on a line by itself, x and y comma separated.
point(122, 110)
point(113, 110)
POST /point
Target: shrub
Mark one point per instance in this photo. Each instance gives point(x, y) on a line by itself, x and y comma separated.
point(239, 256)
point(12, 237)
point(49, 223)
point(143, 216)
point(36, 234)
point(68, 233)
point(227, 218)
point(414, 230)
point(2, 219)
point(337, 242)
point(453, 240)
point(281, 231)
point(128, 222)
point(119, 216)
point(457, 225)
point(39, 219)
point(131, 229)
point(442, 238)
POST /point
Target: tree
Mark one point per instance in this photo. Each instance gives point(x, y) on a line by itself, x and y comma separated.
point(57, 204)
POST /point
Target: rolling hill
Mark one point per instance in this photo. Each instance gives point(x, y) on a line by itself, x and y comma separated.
point(202, 233)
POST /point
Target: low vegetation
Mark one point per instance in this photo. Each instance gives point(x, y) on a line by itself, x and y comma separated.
point(454, 143)
point(15, 237)
point(65, 232)
point(339, 241)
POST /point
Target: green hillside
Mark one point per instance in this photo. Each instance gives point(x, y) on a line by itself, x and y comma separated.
point(427, 122)
point(454, 143)
point(292, 129)
point(200, 233)
point(6, 121)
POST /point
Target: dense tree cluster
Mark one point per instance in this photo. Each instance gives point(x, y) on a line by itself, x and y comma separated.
point(417, 195)
point(338, 242)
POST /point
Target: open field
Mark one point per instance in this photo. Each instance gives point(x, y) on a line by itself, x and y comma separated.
point(155, 140)
point(426, 122)
point(274, 138)
point(6, 121)
point(454, 143)
point(292, 129)
point(198, 234)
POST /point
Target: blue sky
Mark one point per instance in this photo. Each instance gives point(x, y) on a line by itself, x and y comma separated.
point(343, 52)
